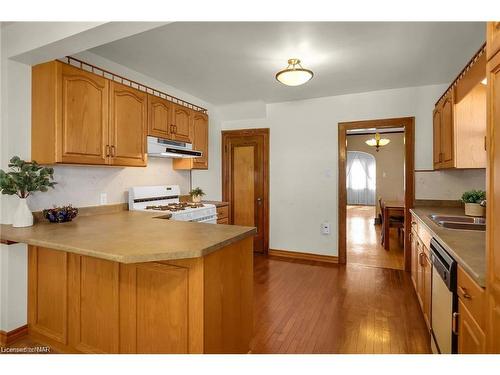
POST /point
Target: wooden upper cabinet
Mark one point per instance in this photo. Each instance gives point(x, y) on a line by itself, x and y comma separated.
point(181, 127)
point(82, 118)
point(492, 38)
point(69, 115)
point(436, 123)
point(128, 123)
point(459, 120)
point(200, 140)
point(159, 117)
point(200, 143)
point(447, 137)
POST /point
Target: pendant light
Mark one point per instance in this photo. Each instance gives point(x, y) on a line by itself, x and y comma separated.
point(294, 74)
point(377, 142)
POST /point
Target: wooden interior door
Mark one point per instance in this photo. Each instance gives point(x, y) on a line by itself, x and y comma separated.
point(128, 122)
point(245, 180)
point(182, 125)
point(447, 137)
point(84, 117)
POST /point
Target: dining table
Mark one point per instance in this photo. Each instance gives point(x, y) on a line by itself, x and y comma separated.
point(391, 208)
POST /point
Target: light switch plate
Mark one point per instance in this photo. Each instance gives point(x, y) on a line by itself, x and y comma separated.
point(325, 228)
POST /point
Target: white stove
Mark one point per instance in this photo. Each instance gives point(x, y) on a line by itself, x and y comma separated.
point(165, 199)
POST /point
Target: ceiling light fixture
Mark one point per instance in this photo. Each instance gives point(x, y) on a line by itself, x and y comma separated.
point(484, 81)
point(294, 74)
point(377, 142)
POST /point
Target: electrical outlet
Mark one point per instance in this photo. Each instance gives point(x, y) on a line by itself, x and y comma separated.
point(325, 228)
point(103, 198)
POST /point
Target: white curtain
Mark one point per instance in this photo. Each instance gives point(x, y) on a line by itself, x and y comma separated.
point(361, 178)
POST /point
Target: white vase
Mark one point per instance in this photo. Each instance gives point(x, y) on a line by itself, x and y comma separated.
point(22, 215)
point(196, 199)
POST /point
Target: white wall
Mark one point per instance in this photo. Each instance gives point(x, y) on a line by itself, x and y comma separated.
point(303, 158)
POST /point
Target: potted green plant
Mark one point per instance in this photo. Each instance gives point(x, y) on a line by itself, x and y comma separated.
point(196, 194)
point(24, 179)
point(473, 200)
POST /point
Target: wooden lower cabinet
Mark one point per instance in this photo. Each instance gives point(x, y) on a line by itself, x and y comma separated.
point(421, 271)
point(471, 339)
point(83, 304)
point(223, 214)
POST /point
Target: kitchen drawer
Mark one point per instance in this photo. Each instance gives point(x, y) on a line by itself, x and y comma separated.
point(424, 235)
point(222, 212)
point(472, 296)
point(223, 221)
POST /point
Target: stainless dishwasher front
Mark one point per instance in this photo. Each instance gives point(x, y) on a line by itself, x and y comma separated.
point(444, 302)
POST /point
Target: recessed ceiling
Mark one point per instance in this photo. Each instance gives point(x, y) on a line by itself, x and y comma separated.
point(227, 62)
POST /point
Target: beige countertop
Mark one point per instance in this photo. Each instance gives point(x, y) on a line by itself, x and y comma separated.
point(467, 247)
point(129, 237)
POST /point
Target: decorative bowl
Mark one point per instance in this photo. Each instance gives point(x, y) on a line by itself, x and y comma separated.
point(60, 214)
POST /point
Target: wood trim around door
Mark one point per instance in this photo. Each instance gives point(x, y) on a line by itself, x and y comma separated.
point(264, 132)
point(409, 132)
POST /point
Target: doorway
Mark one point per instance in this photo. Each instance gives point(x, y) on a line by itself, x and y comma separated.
point(356, 221)
point(245, 181)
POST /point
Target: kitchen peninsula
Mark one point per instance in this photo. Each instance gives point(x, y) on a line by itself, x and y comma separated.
point(131, 282)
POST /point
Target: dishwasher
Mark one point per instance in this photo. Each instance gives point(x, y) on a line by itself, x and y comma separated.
point(444, 301)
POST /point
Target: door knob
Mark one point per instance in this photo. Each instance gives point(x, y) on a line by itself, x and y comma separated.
point(259, 200)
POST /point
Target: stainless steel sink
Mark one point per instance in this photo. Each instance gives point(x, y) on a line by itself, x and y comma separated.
point(459, 222)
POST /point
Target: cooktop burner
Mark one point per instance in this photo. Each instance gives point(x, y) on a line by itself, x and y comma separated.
point(175, 206)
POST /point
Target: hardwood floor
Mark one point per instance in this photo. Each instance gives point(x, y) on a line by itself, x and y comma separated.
point(363, 241)
point(311, 307)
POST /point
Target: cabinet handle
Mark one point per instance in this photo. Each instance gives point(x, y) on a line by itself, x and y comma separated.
point(454, 323)
point(107, 150)
point(113, 151)
point(464, 293)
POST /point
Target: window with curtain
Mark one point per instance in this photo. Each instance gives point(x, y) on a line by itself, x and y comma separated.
point(361, 178)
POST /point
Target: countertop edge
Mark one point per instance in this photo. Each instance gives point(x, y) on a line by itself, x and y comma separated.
point(477, 278)
point(129, 259)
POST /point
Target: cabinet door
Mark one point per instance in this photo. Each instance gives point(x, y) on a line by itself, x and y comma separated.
point(84, 117)
point(426, 288)
point(182, 124)
point(159, 117)
point(492, 39)
point(493, 207)
point(471, 339)
point(420, 275)
point(414, 259)
point(447, 137)
point(200, 139)
point(436, 121)
point(127, 126)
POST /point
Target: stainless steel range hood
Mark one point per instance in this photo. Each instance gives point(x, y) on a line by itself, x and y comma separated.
point(165, 148)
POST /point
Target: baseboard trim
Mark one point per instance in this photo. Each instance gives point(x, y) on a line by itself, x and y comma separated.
point(303, 256)
point(7, 338)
